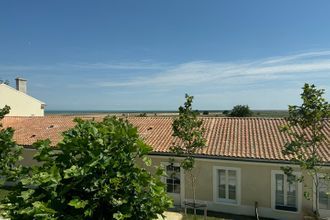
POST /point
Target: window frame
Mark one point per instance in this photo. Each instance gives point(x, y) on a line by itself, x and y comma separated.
point(285, 186)
point(226, 201)
point(319, 176)
point(323, 212)
point(176, 165)
point(182, 180)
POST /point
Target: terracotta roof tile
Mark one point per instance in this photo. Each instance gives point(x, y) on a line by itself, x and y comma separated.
point(254, 138)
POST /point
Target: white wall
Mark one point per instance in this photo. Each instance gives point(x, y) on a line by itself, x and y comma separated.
point(20, 103)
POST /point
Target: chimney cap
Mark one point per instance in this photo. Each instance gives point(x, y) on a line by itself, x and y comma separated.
point(21, 79)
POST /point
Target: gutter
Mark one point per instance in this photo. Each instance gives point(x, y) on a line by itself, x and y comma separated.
point(240, 159)
point(201, 156)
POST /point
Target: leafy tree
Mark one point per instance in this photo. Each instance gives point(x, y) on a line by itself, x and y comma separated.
point(92, 174)
point(9, 152)
point(189, 131)
point(241, 111)
point(310, 117)
point(205, 112)
point(4, 82)
point(225, 112)
point(143, 114)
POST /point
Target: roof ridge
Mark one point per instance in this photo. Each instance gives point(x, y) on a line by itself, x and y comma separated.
point(149, 117)
point(212, 117)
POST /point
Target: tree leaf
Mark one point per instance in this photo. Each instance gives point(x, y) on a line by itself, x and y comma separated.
point(78, 204)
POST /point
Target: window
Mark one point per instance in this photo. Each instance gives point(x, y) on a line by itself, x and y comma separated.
point(324, 197)
point(227, 185)
point(173, 178)
point(285, 190)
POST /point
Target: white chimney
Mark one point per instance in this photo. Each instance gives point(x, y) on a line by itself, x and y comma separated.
point(21, 84)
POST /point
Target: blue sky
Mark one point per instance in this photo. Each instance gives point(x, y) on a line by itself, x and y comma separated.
point(145, 55)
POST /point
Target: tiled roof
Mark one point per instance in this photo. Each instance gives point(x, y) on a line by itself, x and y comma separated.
point(252, 138)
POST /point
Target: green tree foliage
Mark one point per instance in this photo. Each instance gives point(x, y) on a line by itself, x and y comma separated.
point(9, 152)
point(206, 112)
point(4, 111)
point(4, 82)
point(189, 131)
point(144, 114)
point(241, 111)
point(310, 117)
point(92, 174)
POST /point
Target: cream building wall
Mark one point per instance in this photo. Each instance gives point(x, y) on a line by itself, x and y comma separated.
point(255, 186)
point(20, 103)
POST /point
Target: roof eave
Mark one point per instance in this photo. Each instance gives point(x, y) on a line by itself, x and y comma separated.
point(241, 159)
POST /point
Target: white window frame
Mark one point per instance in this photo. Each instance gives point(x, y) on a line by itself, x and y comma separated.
point(216, 198)
point(168, 177)
point(323, 212)
point(182, 179)
point(273, 191)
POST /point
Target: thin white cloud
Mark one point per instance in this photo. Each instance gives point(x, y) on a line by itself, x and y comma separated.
point(162, 75)
point(201, 72)
point(143, 65)
point(121, 66)
point(297, 56)
point(4, 68)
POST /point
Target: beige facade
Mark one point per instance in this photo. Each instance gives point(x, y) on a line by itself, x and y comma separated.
point(20, 103)
point(255, 185)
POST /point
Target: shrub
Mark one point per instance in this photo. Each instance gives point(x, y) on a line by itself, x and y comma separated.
point(91, 175)
point(205, 112)
point(241, 111)
point(226, 112)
